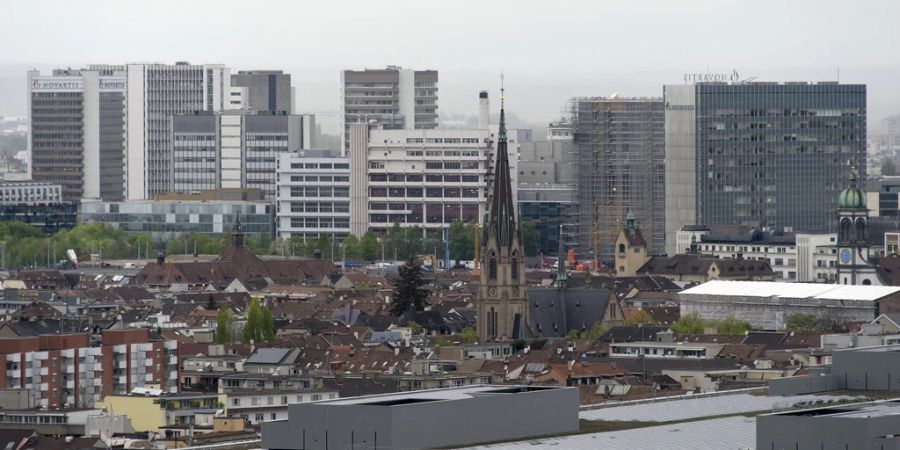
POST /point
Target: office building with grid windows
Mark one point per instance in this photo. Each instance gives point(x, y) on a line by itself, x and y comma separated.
point(394, 97)
point(760, 154)
point(76, 132)
point(313, 196)
point(234, 149)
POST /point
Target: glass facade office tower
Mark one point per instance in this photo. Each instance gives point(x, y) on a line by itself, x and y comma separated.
point(760, 154)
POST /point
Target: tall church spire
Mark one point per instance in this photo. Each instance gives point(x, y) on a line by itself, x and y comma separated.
point(501, 222)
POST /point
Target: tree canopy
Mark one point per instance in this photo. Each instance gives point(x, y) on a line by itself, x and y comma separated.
point(409, 290)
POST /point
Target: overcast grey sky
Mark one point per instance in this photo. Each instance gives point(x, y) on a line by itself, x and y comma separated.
point(550, 50)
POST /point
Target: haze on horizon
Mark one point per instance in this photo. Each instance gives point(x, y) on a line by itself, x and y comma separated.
point(550, 51)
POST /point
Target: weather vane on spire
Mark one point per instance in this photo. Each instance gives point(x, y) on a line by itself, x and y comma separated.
point(502, 88)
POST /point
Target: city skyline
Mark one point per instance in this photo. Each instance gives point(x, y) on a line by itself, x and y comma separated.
point(549, 54)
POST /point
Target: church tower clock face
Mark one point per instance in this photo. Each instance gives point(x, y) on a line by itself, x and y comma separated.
point(845, 256)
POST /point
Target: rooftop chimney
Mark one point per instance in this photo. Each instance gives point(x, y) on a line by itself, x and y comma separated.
point(484, 110)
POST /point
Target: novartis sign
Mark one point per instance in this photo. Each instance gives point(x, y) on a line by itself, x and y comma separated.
point(56, 84)
point(712, 77)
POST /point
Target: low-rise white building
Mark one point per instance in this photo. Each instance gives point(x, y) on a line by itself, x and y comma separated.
point(768, 305)
point(313, 195)
point(793, 256)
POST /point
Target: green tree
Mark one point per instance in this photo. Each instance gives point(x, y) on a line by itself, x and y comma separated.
point(462, 241)
point(732, 326)
point(639, 317)
point(267, 325)
point(689, 324)
point(887, 168)
point(351, 247)
point(393, 240)
point(409, 290)
point(412, 243)
point(803, 323)
point(532, 239)
point(369, 246)
point(252, 327)
point(593, 333)
point(224, 326)
point(467, 334)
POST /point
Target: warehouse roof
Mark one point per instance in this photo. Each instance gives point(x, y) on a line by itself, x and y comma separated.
point(792, 290)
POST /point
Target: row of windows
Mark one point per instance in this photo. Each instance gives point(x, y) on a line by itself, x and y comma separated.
point(320, 178)
point(415, 178)
point(319, 207)
point(417, 192)
point(320, 222)
point(321, 166)
point(320, 191)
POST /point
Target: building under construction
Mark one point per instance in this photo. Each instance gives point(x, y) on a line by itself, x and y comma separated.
point(619, 155)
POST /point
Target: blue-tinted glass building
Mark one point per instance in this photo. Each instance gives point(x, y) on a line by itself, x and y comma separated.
point(760, 154)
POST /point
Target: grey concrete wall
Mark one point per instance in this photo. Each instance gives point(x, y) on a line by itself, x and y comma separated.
point(806, 384)
point(442, 423)
point(809, 432)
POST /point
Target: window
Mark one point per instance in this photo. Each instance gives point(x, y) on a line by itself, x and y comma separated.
point(235, 402)
point(260, 417)
point(254, 401)
point(514, 266)
point(316, 397)
point(284, 400)
point(492, 267)
point(270, 401)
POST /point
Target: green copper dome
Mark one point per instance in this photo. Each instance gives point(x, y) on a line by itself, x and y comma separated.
point(852, 197)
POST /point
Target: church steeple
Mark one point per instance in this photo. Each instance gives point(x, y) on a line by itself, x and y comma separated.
point(502, 305)
point(501, 221)
point(561, 272)
point(237, 233)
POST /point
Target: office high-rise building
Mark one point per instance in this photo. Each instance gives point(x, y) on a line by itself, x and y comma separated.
point(234, 149)
point(395, 98)
point(619, 166)
point(760, 154)
point(77, 131)
point(156, 93)
point(263, 90)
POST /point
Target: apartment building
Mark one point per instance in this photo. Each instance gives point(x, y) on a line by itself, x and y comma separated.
point(261, 397)
point(66, 370)
point(313, 195)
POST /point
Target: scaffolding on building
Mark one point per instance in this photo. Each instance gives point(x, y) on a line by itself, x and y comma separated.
point(619, 164)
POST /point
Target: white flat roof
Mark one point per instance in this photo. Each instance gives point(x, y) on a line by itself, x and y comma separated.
point(685, 408)
point(792, 290)
point(456, 393)
point(717, 434)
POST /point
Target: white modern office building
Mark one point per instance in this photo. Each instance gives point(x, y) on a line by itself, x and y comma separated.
point(424, 178)
point(313, 195)
point(234, 149)
point(76, 135)
point(155, 93)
